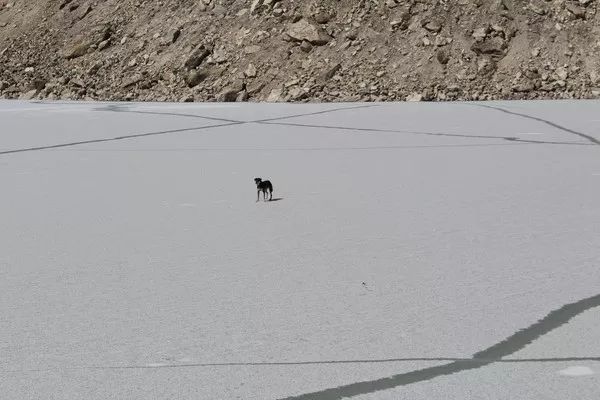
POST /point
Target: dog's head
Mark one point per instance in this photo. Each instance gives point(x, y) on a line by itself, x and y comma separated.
point(257, 180)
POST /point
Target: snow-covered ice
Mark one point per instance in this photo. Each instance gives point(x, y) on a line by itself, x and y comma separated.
point(136, 263)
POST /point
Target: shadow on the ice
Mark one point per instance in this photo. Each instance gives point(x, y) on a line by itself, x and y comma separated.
point(277, 199)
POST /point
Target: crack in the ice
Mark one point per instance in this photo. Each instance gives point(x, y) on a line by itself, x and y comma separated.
point(590, 138)
point(365, 148)
point(126, 109)
point(492, 354)
point(266, 120)
point(273, 121)
point(459, 135)
point(124, 137)
point(314, 362)
point(120, 108)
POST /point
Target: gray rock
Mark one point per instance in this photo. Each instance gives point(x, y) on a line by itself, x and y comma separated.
point(578, 12)
point(401, 22)
point(250, 71)
point(77, 50)
point(219, 56)
point(175, 35)
point(28, 95)
point(132, 81)
point(524, 87)
point(275, 96)
point(562, 73)
point(63, 4)
point(198, 55)
point(306, 46)
point(493, 46)
point(322, 17)
point(94, 68)
point(352, 34)
point(82, 44)
point(304, 30)
point(331, 72)
point(77, 82)
point(103, 44)
point(480, 33)
point(433, 26)
point(442, 57)
point(537, 9)
point(255, 6)
point(255, 88)
point(252, 49)
point(242, 96)
point(228, 95)
point(38, 84)
point(85, 11)
point(414, 97)
point(297, 93)
point(194, 77)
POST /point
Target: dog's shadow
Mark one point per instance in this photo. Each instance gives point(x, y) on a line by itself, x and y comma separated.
point(277, 199)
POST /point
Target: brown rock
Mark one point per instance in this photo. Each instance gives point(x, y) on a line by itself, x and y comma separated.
point(228, 95)
point(175, 35)
point(442, 57)
point(242, 96)
point(331, 72)
point(77, 50)
point(322, 17)
point(304, 30)
point(578, 12)
point(194, 77)
point(198, 55)
point(433, 26)
point(306, 46)
point(524, 87)
point(493, 46)
point(28, 95)
point(132, 81)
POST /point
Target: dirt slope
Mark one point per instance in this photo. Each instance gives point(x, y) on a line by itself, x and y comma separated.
point(327, 50)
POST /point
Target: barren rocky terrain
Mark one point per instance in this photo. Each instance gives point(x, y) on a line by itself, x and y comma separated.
point(318, 50)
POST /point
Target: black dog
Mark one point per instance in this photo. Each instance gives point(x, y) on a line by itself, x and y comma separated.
point(263, 186)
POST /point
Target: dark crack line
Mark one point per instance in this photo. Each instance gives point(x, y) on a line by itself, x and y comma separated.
point(510, 345)
point(379, 130)
point(549, 142)
point(265, 120)
point(71, 144)
point(590, 138)
point(272, 121)
point(195, 149)
point(509, 138)
point(325, 362)
point(121, 109)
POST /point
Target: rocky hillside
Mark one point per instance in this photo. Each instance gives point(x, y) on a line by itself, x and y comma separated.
point(293, 50)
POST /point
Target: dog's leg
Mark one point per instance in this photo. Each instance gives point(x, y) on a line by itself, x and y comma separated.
point(257, 195)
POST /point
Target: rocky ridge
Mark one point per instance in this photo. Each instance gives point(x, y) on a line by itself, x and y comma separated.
point(286, 50)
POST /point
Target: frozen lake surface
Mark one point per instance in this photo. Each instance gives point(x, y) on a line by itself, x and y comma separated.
point(417, 251)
